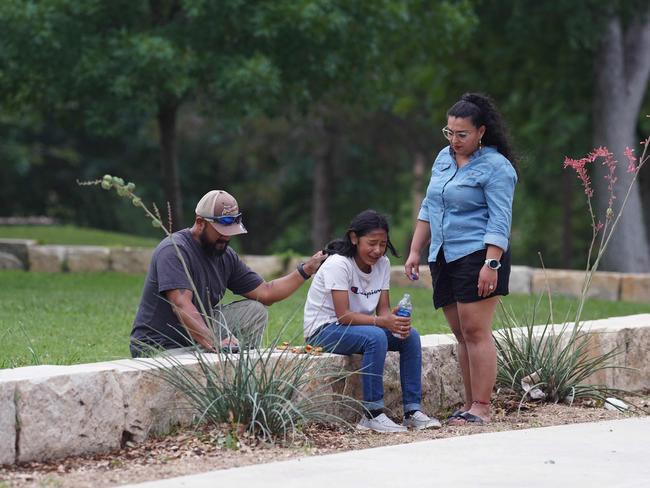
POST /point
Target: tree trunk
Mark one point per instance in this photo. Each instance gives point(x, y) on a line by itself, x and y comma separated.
point(568, 185)
point(320, 203)
point(169, 164)
point(622, 69)
point(417, 194)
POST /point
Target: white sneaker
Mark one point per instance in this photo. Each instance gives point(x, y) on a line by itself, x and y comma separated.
point(419, 421)
point(380, 423)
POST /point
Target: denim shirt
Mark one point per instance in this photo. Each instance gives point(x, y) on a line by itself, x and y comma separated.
point(470, 207)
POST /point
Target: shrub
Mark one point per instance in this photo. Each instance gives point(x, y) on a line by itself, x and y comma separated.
point(270, 394)
point(553, 361)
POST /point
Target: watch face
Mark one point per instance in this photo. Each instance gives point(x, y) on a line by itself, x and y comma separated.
point(493, 263)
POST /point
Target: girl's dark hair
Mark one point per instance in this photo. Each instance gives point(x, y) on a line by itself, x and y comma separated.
point(482, 111)
point(362, 224)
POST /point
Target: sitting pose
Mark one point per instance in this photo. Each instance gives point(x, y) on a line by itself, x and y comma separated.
point(169, 314)
point(348, 312)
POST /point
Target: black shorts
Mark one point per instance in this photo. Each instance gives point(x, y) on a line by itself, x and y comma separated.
point(458, 281)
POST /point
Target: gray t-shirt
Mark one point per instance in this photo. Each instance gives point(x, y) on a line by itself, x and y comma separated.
point(156, 323)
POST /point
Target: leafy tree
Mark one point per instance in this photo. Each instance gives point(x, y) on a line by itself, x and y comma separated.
point(95, 61)
point(400, 56)
point(622, 73)
point(539, 61)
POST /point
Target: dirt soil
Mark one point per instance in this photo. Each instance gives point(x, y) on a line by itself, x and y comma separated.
point(204, 449)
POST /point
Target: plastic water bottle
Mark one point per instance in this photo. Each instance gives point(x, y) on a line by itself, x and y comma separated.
point(405, 309)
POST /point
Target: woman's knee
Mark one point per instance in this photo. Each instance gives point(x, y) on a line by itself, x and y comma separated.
point(458, 334)
point(475, 333)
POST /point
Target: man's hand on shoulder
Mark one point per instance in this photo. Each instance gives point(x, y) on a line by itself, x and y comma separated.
point(314, 262)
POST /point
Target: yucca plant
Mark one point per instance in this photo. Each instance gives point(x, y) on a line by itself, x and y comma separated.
point(556, 358)
point(267, 393)
point(270, 393)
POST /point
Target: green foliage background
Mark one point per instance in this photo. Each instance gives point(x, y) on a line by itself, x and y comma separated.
point(81, 84)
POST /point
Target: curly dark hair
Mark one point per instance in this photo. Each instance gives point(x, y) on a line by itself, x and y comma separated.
point(482, 111)
point(362, 224)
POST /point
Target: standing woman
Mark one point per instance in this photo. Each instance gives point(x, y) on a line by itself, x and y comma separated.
point(466, 216)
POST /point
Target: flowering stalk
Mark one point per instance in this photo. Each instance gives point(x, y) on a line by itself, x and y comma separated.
point(126, 190)
point(606, 229)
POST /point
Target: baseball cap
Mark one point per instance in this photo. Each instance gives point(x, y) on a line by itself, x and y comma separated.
point(220, 209)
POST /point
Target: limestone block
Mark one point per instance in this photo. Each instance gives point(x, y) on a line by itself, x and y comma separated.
point(130, 259)
point(398, 278)
point(9, 261)
point(88, 258)
point(631, 369)
point(31, 372)
point(635, 344)
point(151, 404)
point(267, 266)
point(635, 288)
point(604, 285)
point(332, 381)
point(442, 381)
point(349, 386)
point(520, 279)
point(18, 248)
point(68, 415)
point(49, 259)
point(7, 424)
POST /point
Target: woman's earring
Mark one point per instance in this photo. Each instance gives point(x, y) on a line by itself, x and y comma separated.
point(479, 143)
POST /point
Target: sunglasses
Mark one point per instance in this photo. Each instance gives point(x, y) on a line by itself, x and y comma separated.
point(224, 219)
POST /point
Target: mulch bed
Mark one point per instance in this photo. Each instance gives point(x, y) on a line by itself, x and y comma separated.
point(206, 448)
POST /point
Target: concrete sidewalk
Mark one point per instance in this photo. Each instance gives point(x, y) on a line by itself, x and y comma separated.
point(612, 454)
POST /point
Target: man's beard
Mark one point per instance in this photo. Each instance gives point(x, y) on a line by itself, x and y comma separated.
point(210, 248)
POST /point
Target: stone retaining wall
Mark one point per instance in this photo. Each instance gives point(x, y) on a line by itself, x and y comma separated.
point(56, 411)
point(26, 254)
point(525, 280)
point(17, 253)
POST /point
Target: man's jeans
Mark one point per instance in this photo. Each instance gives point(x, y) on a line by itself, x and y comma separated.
point(373, 342)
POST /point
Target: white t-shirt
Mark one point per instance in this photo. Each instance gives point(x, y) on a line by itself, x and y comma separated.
point(342, 273)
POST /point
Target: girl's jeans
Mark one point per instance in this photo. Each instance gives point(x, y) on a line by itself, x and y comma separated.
point(373, 342)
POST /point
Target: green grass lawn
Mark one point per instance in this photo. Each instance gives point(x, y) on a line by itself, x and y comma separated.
point(67, 318)
point(71, 235)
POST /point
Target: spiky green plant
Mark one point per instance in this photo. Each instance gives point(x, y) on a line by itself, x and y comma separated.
point(558, 355)
point(272, 395)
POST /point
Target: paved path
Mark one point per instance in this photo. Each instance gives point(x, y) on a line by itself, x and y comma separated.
point(608, 454)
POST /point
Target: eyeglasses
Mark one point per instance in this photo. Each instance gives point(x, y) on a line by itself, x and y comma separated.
point(224, 219)
point(449, 134)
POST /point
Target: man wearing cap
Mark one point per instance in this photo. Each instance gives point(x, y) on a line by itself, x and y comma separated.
point(170, 316)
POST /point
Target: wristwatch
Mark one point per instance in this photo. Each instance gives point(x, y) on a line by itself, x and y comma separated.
point(302, 272)
point(493, 263)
